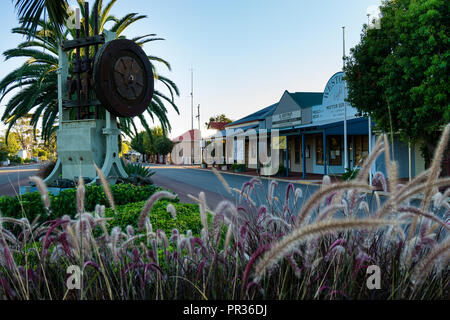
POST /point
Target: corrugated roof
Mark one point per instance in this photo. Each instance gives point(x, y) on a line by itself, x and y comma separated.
point(258, 115)
point(307, 99)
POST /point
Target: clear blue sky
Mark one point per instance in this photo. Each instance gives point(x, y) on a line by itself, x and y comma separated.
point(244, 53)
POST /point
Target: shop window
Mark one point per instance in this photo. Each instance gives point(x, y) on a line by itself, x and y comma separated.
point(297, 151)
point(360, 149)
point(334, 150)
point(319, 150)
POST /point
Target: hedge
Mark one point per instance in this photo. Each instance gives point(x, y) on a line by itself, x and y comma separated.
point(188, 216)
point(30, 205)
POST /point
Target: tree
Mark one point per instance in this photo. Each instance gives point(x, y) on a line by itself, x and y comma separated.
point(125, 147)
point(163, 145)
point(36, 79)
point(11, 146)
point(25, 134)
point(219, 118)
point(152, 144)
point(138, 142)
point(31, 11)
point(399, 73)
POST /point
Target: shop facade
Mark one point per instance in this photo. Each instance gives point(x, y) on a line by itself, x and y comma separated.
point(311, 128)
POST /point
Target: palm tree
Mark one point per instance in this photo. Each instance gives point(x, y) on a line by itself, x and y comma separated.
point(31, 11)
point(36, 79)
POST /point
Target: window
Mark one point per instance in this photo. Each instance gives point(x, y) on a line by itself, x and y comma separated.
point(319, 149)
point(360, 149)
point(297, 150)
point(334, 150)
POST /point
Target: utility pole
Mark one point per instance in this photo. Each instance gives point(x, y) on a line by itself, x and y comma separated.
point(192, 98)
point(345, 103)
point(370, 127)
point(198, 116)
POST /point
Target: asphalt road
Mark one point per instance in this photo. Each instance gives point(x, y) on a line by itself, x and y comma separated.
point(184, 181)
point(13, 177)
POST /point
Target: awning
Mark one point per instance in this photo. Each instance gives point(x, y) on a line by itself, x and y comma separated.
point(235, 132)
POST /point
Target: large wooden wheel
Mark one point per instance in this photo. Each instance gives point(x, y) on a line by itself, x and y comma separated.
point(123, 78)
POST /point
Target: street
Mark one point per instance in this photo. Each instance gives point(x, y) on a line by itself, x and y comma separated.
point(184, 181)
point(13, 177)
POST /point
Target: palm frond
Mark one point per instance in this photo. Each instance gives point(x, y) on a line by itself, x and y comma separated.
point(31, 11)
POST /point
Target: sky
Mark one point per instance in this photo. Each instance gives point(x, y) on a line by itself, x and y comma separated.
point(244, 53)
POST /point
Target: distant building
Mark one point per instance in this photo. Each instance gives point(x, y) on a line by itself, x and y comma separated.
point(24, 154)
point(187, 148)
point(311, 129)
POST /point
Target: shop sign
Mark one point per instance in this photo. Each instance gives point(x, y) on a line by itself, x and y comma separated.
point(279, 143)
point(285, 119)
point(333, 102)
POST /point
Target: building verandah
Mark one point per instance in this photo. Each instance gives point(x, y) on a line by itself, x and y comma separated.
point(301, 149)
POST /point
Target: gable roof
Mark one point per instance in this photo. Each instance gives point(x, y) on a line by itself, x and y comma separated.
point(218, 125)
point(258, 115)
point(307, 99)
point(188, 135)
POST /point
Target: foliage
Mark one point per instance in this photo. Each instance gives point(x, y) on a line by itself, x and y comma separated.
point(3, 156)
point(35, 81)
point(399, 73)
point(137, 174)
point(124, 147)
point(281, 170)
point(11, 146)
point(239, 167)
point(350, 174)
point(162, 145)
point(138, 142)
point(15, 159)
point(290, 247)
point(137, 169)
point(30, 205)
point(218, 118)
point(187, 217)
point(155, 142)
point(31, 11)
point(24, 133)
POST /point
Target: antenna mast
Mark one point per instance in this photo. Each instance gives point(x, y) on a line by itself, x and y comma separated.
point(192, 98)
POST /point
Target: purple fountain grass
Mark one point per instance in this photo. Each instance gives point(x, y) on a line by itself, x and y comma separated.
point(273, 250)
point(149, 204)
point(42, 188)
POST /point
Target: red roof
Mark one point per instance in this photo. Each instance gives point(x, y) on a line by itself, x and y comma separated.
point(189, 135)
point(218, 125)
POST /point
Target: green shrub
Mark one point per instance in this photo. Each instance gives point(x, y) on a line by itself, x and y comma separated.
point(30, 204)
point(137, 169)
point(188, 216)
point(15, 159)
point(239, 167)
point(350, 174)
point(137, 174)
point(281, 170)
point(3, 156)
